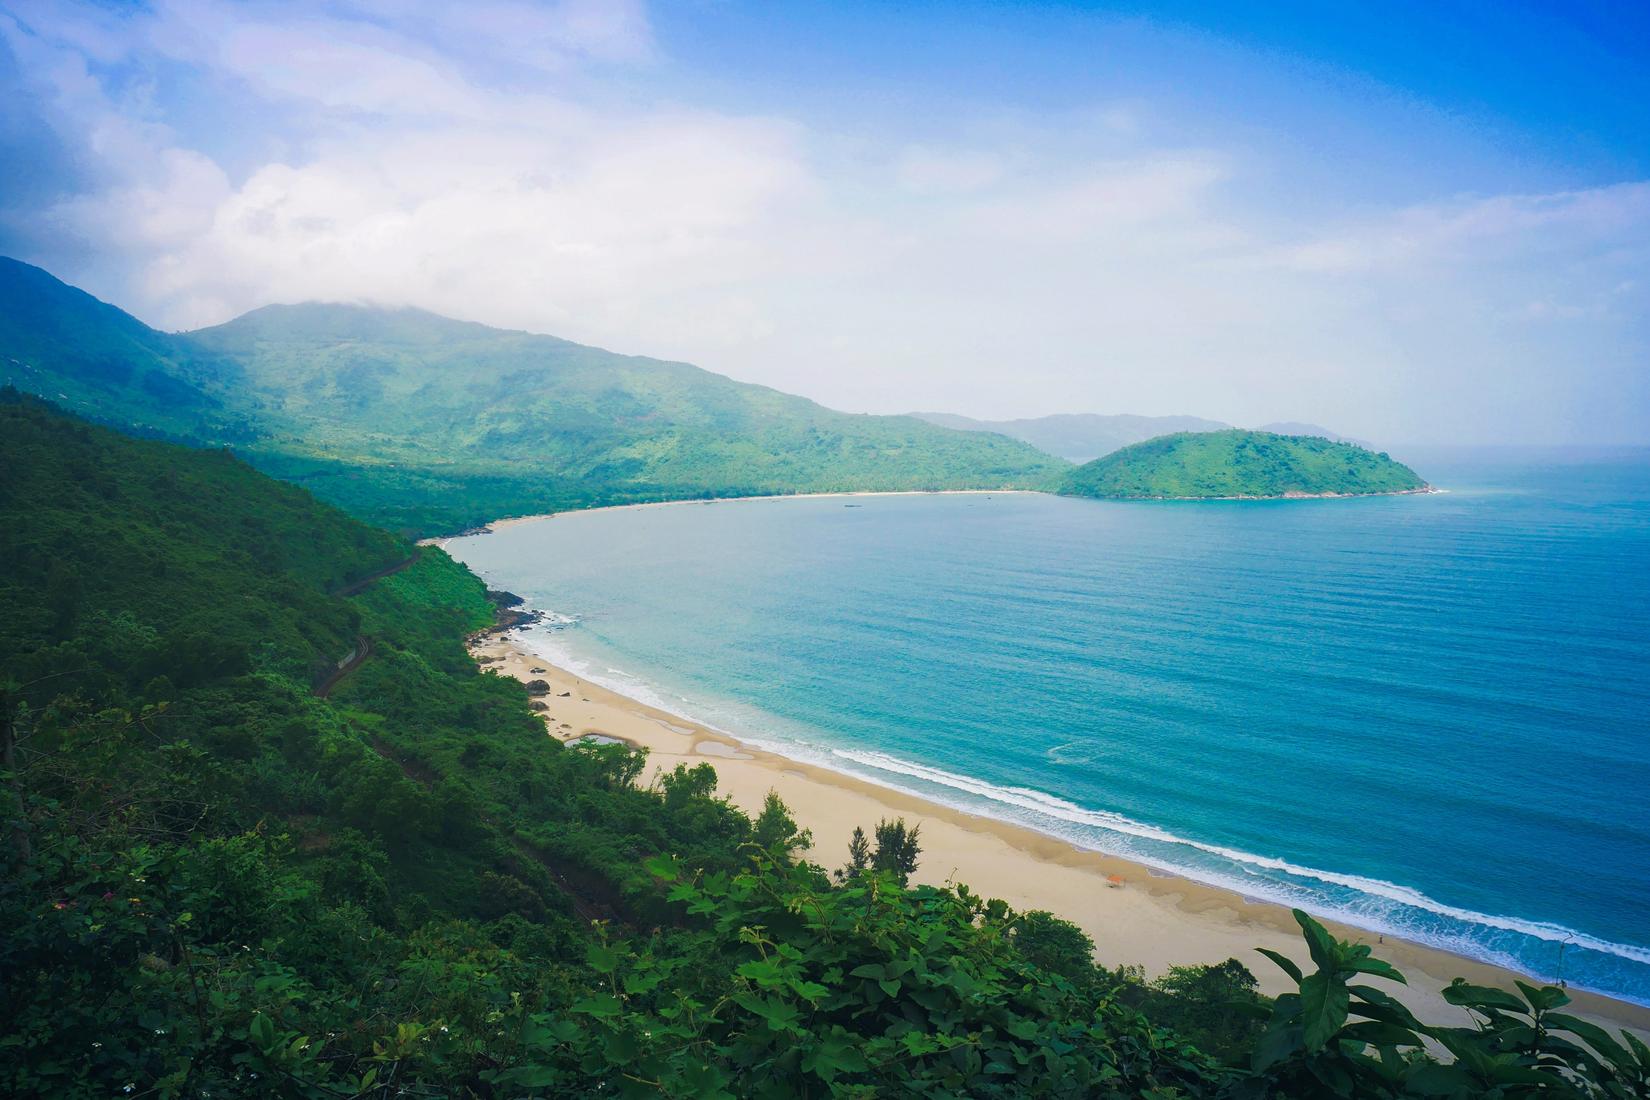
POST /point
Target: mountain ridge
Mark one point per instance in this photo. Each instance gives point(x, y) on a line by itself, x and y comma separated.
point(432, 424)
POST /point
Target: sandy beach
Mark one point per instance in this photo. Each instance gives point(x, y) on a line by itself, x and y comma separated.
point(1152, 919)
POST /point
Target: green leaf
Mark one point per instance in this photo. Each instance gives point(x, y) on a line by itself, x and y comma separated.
point(1464, 1044)
point(1286, 964)
point(663, 866)
point(262, 1031)
point(603, 1006)
point(1325, 951)
point(1460, 992)
point(1546, 998)
point(777, 1014)
point(764, 972)
point(635, 983)
point(837, 1053)
point(812, 992)
point(602, 958)
point(1324, 1002)
point(1378, 1005)
point(700, 1079)
point(1595, 1037)
point(1022, 1029)
point(1379, 1033)
point(1277, 1044)
point(1377, 967)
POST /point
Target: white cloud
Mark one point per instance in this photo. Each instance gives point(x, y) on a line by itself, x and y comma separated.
point(927, 171)
point(453, 159)
point(1467, 230)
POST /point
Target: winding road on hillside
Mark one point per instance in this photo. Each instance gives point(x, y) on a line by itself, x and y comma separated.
point(586, 902)
point(363, 644)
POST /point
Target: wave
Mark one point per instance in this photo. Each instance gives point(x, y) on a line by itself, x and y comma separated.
point(1372, 904)
point(1047, 805)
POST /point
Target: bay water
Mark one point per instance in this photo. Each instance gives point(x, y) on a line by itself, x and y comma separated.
point(1427, 716)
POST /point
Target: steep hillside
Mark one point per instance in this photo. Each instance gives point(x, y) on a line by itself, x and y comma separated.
point(65, 345)
point(426, 423)
point(1239, 463)
point(216, 882)
point(1079, 437)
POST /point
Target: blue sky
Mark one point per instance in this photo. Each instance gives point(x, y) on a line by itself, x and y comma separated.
point(1412, 222)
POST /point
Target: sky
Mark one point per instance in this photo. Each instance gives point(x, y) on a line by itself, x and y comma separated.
point(1411, 222)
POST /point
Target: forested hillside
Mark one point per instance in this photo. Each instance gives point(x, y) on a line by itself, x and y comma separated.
point(65, 345)
point(218, 883)
point(423, 423)
point(231, 871)
point(1241, 464)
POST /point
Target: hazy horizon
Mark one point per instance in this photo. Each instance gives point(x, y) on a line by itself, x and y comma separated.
point(1420, 226)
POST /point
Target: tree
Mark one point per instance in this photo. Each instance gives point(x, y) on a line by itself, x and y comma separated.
point(775, 830)
point(1213, 1006)
point(897, 849)
point(1057, 946)
point(859, 856)
point(683, 785)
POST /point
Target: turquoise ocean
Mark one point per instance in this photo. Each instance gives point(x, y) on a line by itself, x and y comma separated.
point(1427, 716)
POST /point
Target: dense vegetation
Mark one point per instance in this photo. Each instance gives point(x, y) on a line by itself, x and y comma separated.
point(423, 423)
point(1235, 463)
point(66, 346)
point(218, 883)
point(1079, 437)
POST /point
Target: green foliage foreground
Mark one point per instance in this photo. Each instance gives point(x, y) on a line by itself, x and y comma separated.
point(216, 883)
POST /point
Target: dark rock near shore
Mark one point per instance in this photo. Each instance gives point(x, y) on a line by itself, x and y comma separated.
point(510, 612)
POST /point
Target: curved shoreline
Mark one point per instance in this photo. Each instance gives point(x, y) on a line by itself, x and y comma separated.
point(1155, 919)
point(508, 522)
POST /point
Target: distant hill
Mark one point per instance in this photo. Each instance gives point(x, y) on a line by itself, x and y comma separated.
point(66, 346)
point(1296, 427)
point(1079, 437)
point(1237, 463)
point(426, 423)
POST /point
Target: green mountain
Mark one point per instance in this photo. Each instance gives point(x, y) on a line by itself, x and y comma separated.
point(66, 346)
point(426, 423)
point(1238, 463)
point(1079, 437)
